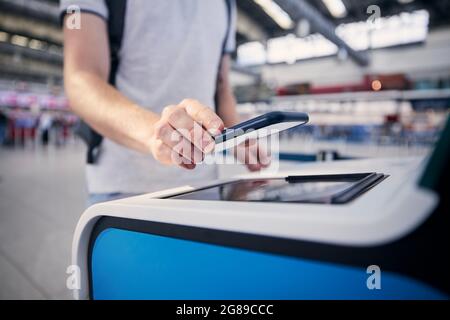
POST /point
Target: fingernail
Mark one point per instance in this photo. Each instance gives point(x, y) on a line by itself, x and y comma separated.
point(188, 166)
point(265, 160)
point(215, 128)
point(214, 131)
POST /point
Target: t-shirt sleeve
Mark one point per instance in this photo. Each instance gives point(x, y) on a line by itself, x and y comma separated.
point(230, 44)
point(97, 7)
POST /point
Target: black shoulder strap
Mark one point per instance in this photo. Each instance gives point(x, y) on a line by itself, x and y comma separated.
point(116, 25)
point(229, 4)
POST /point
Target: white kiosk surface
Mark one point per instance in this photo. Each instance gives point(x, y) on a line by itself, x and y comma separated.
point(390, 210)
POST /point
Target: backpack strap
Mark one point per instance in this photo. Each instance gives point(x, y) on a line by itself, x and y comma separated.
point(116, 26)
point(229, 4)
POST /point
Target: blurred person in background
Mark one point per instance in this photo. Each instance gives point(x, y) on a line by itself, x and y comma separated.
point(3, 127)
point(45, 123)
point(174, 60)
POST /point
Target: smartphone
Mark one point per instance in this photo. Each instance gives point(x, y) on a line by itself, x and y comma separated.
point(259, 127)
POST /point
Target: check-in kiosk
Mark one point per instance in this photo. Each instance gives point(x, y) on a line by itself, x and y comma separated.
point(358, 229)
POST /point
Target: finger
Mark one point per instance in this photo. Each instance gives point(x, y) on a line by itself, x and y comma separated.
point(253, 167)
point(163, 153)
point(252, 159)
point(259, 149)
point(263, 154)
point(188, 166)
point(181, 121)
point(165, 132)
point(202, 139)
point(188, 151)
point(203, 115)
point(247, 153)
point(174, 140)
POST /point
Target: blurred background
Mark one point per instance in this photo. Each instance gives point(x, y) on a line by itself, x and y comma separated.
point(374, 76)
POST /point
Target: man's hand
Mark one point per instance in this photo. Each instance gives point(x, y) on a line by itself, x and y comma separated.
point(183, 135)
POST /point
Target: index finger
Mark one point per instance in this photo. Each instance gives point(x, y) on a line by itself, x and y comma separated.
point(204, 116)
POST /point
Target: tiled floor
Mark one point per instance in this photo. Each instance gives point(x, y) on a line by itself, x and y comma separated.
point(42, 194)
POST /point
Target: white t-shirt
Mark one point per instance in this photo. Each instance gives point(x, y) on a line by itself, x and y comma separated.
point(170, 51)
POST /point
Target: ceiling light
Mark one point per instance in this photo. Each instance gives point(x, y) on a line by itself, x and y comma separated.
point(19, 41)
point(4, 36)
point(276, 13)
point(336, 8)
point(36, 44)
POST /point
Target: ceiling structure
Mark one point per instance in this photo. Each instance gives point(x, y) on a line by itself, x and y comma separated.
point(356, 11)
point(31, 40)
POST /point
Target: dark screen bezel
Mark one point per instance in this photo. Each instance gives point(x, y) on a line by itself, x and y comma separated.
point(362, 182)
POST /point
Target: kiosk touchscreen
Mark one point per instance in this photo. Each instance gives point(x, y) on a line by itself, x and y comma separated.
point(293, 189)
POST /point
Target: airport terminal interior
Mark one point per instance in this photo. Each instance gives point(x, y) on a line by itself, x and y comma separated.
point(373, 76)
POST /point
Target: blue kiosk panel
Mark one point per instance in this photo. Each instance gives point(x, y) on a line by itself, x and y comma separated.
point(134, 265)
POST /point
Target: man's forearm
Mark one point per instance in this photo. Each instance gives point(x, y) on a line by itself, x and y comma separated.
point(109, 112)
